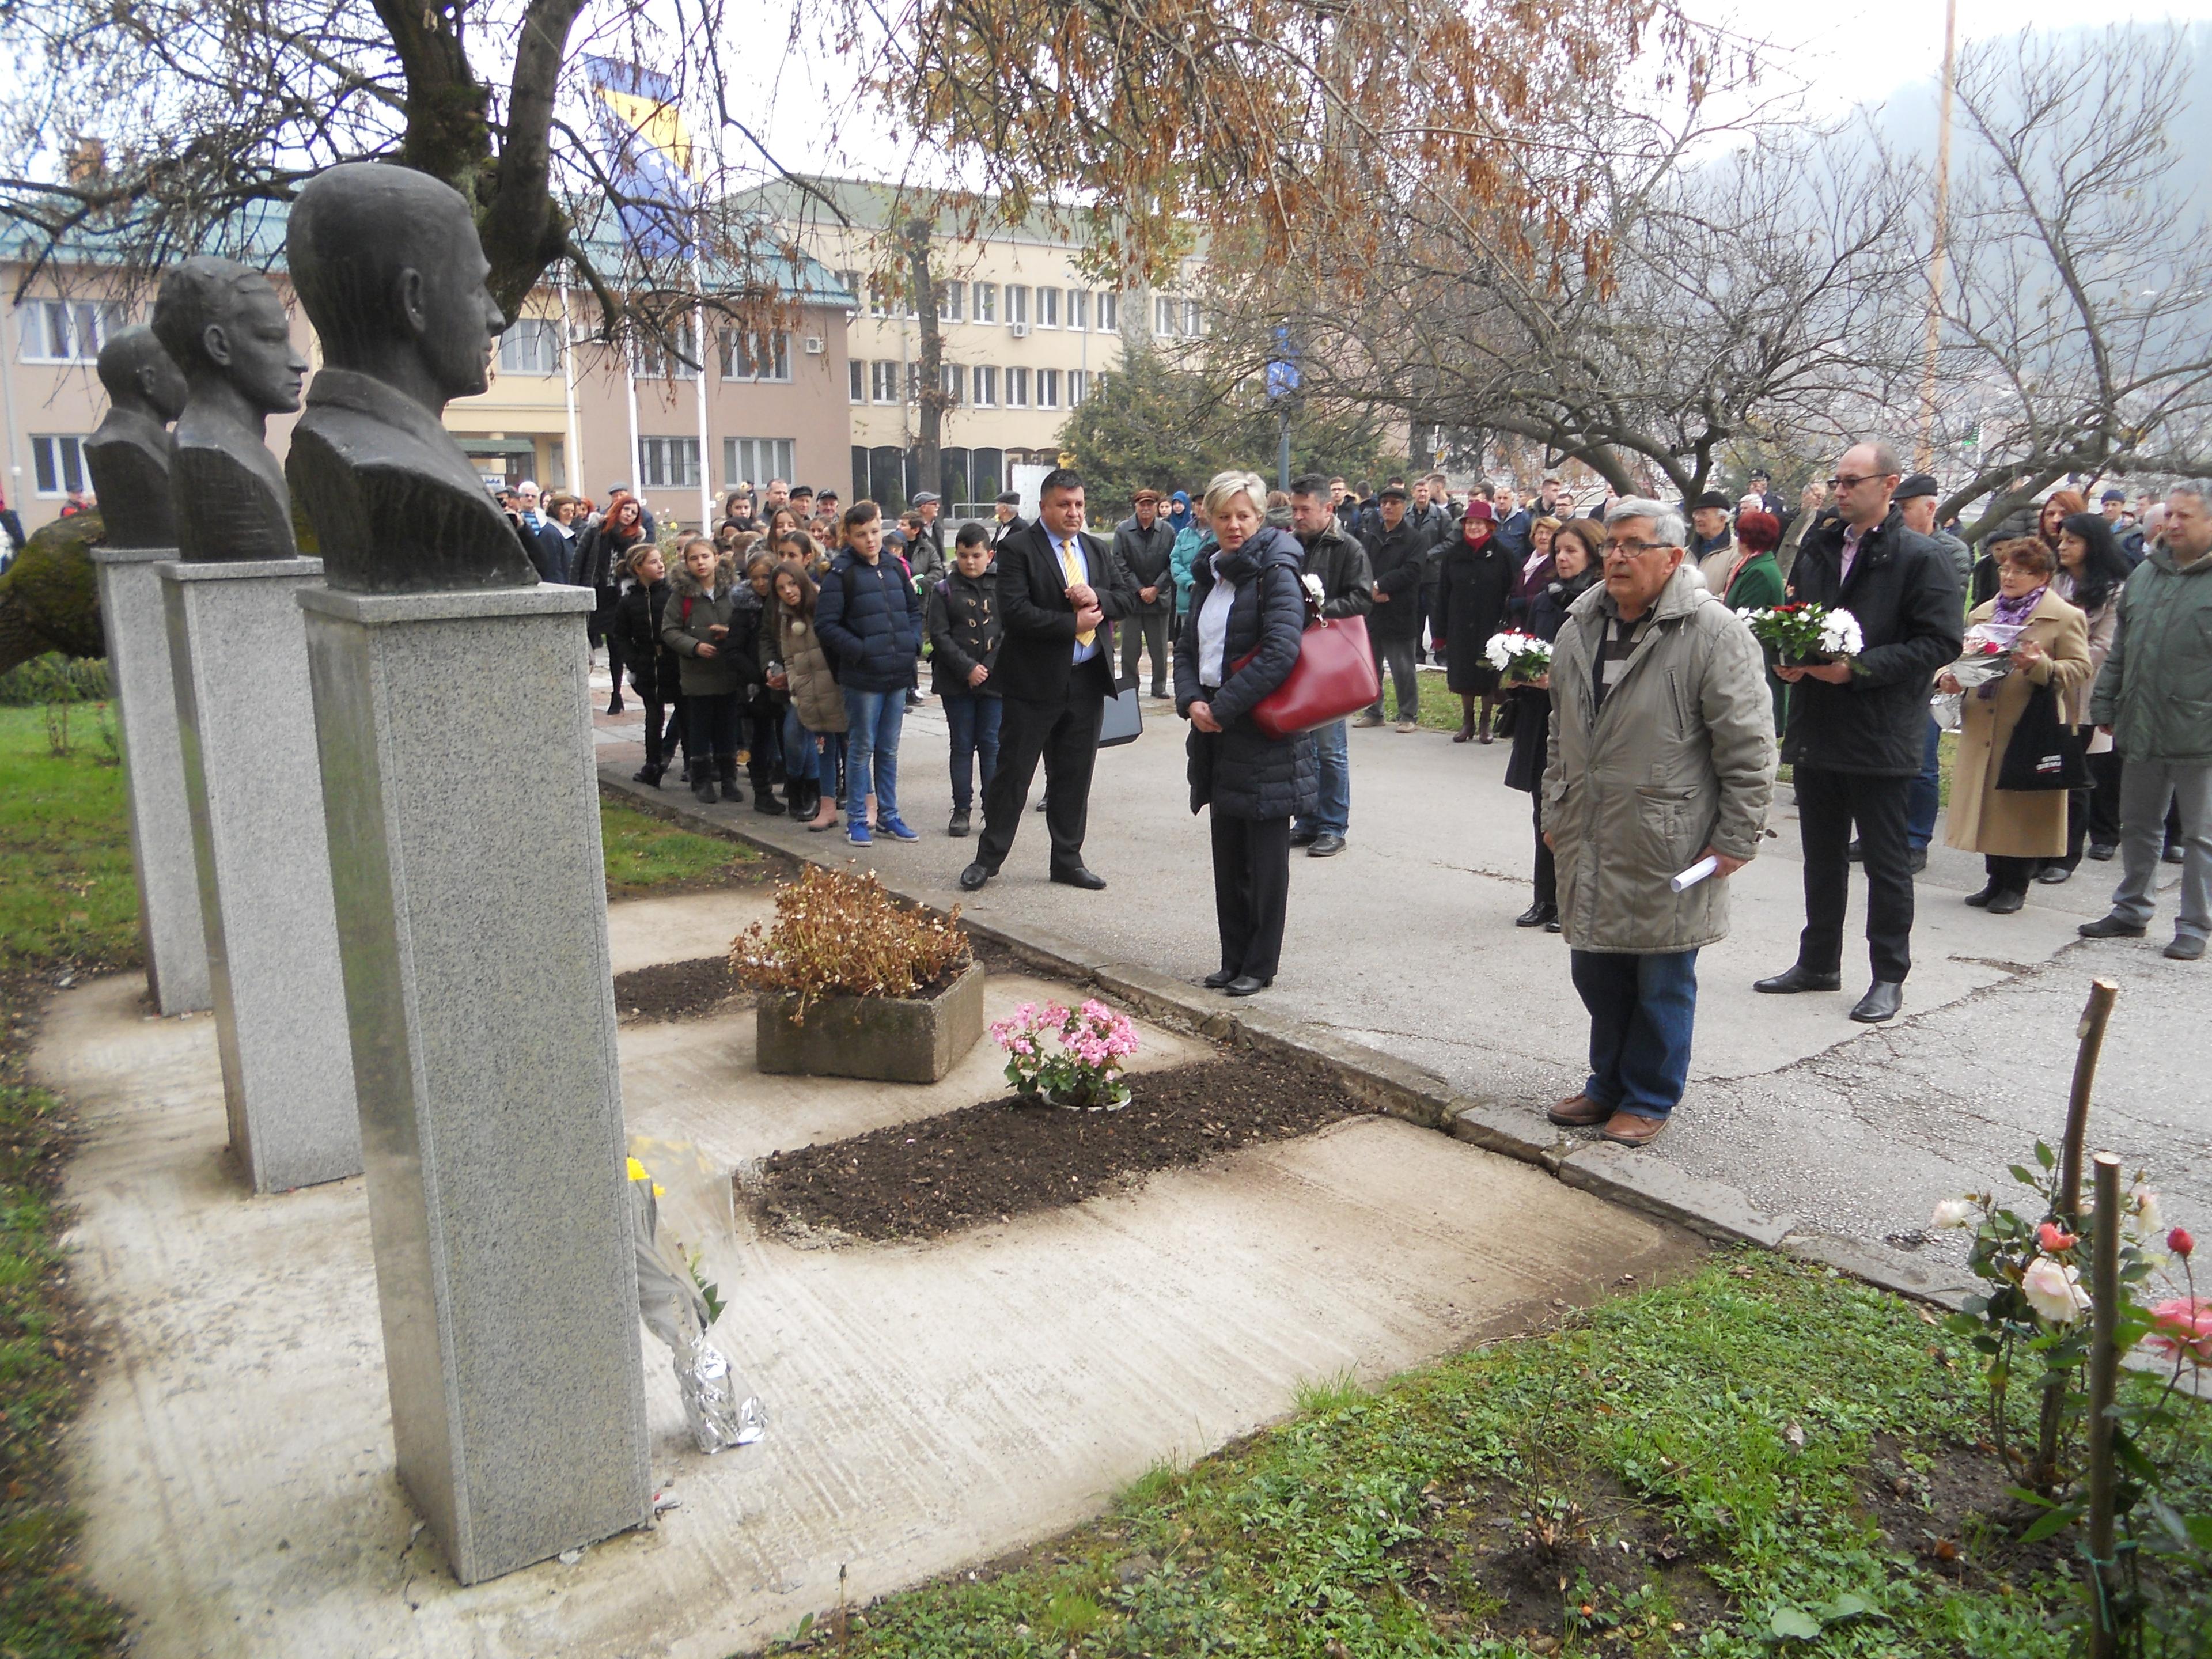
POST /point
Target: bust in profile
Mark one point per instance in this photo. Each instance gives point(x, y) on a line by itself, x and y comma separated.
point(129, 452)
point(224, 326)
point(387, 263)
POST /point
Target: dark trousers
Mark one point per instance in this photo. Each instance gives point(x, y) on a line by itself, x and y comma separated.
point(2009, 875)
point(973, 720)
point(711, 727)
point(1251, 891)
point(1828, 804)
point(1548, 872)
point(664, 730)
point(1399, 656)
point(2094, 814)
point(1065, 736)
point(1642, 1011)
point(1148, 629)
point(765, 765)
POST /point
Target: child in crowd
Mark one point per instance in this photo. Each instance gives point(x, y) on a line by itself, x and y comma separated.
point(963, 640)
point(712, 634)
point(814, 717)
point(869, 615)
point(764, 715)
point(654, 673)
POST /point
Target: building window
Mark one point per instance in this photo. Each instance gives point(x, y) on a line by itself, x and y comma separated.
point(987, 302)
point(1075, 379)
point(1165, 311)
point(1109, 313)
point(1047, 308)
point(668, 463)
point(1078, 307)
point(59, 463)
point(531, 345)
point(68, 330)
point(754, 460)
point(951, 301)
point(952, 374)
point(1017, 388)
point(914, 382)
point(755, 354)
point(1193, 319)
point(1048, 388)
point(883, 381)
point(879, 300)
point(856, 379)
point(1018, 303)
point(850, 282)
point(657, 362)
point(986, 386)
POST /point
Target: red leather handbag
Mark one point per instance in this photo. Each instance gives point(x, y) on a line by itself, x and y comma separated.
point(1335, 677)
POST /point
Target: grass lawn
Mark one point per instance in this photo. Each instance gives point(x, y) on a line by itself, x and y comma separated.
point(1764, 1459)
point(644, 854)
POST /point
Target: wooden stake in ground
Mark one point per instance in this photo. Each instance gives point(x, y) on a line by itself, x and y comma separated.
point(2090, 1038)
point(2104, 1375)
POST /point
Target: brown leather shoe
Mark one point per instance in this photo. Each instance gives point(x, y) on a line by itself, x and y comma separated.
point(1578, 1112)
point(1627, 1129)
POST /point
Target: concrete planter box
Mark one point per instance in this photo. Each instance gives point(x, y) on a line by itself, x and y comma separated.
point(892, 1039)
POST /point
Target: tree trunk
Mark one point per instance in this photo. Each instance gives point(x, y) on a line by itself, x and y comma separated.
point(928, 465)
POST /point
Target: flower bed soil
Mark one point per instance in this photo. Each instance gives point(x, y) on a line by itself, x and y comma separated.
point(701, 985)
point(1006, 1158)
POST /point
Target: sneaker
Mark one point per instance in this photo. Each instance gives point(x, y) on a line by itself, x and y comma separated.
point(1408, 725)
point(1326, 846)
point(895, 827)
point(1368, 719)
point(957, 827)
point(857, 833)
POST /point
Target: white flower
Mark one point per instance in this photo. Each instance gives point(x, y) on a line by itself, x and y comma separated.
point(1840, 635)
point(2055, 1290)
point(2148, 1219)
point(1953, 1212)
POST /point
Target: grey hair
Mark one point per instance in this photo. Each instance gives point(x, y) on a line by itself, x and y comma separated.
point(1665, 521)
point(1226, 487)
point(2200, 487)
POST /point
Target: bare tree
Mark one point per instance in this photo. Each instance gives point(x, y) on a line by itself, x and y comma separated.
point(2077, 338)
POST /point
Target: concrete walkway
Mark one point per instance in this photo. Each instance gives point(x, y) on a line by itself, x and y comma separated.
point(930, 1405)
point(1405, 943)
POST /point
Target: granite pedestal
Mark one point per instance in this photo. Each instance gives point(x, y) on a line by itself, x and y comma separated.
point(170, 931)
point(245, 720)
point(464, 813)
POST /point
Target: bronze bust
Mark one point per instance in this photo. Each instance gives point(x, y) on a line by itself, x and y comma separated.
point(224, 326)
point(387, 263)
point(129, 452)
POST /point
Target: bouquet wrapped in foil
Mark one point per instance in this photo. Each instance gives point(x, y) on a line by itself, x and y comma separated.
point(1986, 655)
point(678, 1308)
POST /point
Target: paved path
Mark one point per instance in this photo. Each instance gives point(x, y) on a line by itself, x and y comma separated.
point(1405, 943)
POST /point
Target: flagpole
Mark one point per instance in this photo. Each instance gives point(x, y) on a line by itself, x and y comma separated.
point(574, 482)
point(1923, 457)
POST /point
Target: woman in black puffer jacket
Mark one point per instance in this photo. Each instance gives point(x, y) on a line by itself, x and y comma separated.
point(1247, 600)
point(654, 673)
point(1577, 565)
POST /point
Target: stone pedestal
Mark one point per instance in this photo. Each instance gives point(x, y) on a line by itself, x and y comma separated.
point(246, 718)
point(463, 805)
point(137, 626)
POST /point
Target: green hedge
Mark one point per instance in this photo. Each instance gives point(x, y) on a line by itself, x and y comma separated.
point(55, 678)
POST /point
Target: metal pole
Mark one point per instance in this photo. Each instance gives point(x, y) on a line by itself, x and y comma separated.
point(706, 366)
point(2104, 1377)
point(1923, 457)
point(573, 480)
point(1283, 447)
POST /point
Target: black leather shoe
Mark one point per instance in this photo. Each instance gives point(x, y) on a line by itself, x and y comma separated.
point(956, 825)
point(1916, 860)
point(1984, 898)
point(1798, 978)
point(2102, 851)
point(2171, 855)
point(1221, 977)
point(1535, 916)
point(1883, 999)
point(2111, 927)
point(1552, 922)
point(1304, 837)
point(2006, 902)
point(1326, 846)
point(1088, 880)
point(2054, 875)
point(1244, 985)
point(975, 876)
point(763, 801)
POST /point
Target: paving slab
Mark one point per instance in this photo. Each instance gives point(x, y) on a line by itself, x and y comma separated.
point(931, 1405)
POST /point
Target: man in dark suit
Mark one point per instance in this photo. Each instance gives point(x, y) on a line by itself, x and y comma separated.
point(1059, 594)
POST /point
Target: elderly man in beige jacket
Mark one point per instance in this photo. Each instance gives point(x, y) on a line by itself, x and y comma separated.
point(1662, 757)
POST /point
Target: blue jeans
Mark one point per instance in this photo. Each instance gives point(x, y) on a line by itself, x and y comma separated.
point(810, 755)
point(1332, 813)
point(974, 720)
point(1642, 1009)
point(873, 721)
point(1921, 804)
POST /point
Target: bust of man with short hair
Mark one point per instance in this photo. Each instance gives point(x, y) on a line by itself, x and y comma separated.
point(224, 327)
point(129, 454)
point(388, 264)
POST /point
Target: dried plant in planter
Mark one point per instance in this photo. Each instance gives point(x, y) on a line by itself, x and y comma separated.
point(837, 933)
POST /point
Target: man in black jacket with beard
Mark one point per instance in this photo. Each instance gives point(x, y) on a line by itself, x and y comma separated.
point(1059, 592)
point(1347, 589)
point(1856, 728)
point(1396, 553)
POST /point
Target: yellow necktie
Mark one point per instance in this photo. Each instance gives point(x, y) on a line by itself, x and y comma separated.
point(1072, 567)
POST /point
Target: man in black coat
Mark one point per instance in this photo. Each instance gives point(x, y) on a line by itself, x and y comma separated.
point(1857, 727)
point(1142, 543)
point(1059, 594)
point(1007, 518)
point(1396, 553)
point(1339, 563)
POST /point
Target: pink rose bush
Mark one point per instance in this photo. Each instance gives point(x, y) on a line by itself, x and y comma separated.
point(1069, 1056)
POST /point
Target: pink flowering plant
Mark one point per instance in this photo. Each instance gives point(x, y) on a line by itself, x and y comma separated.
point(1067, 1056)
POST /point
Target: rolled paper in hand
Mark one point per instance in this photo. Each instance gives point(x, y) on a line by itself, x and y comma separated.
point(1696, 873)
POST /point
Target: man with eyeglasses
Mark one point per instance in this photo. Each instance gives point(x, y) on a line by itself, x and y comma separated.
point(1856, 728)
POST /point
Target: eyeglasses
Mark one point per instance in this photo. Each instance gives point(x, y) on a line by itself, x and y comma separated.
point(1844, 481)
point(1633, 547)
